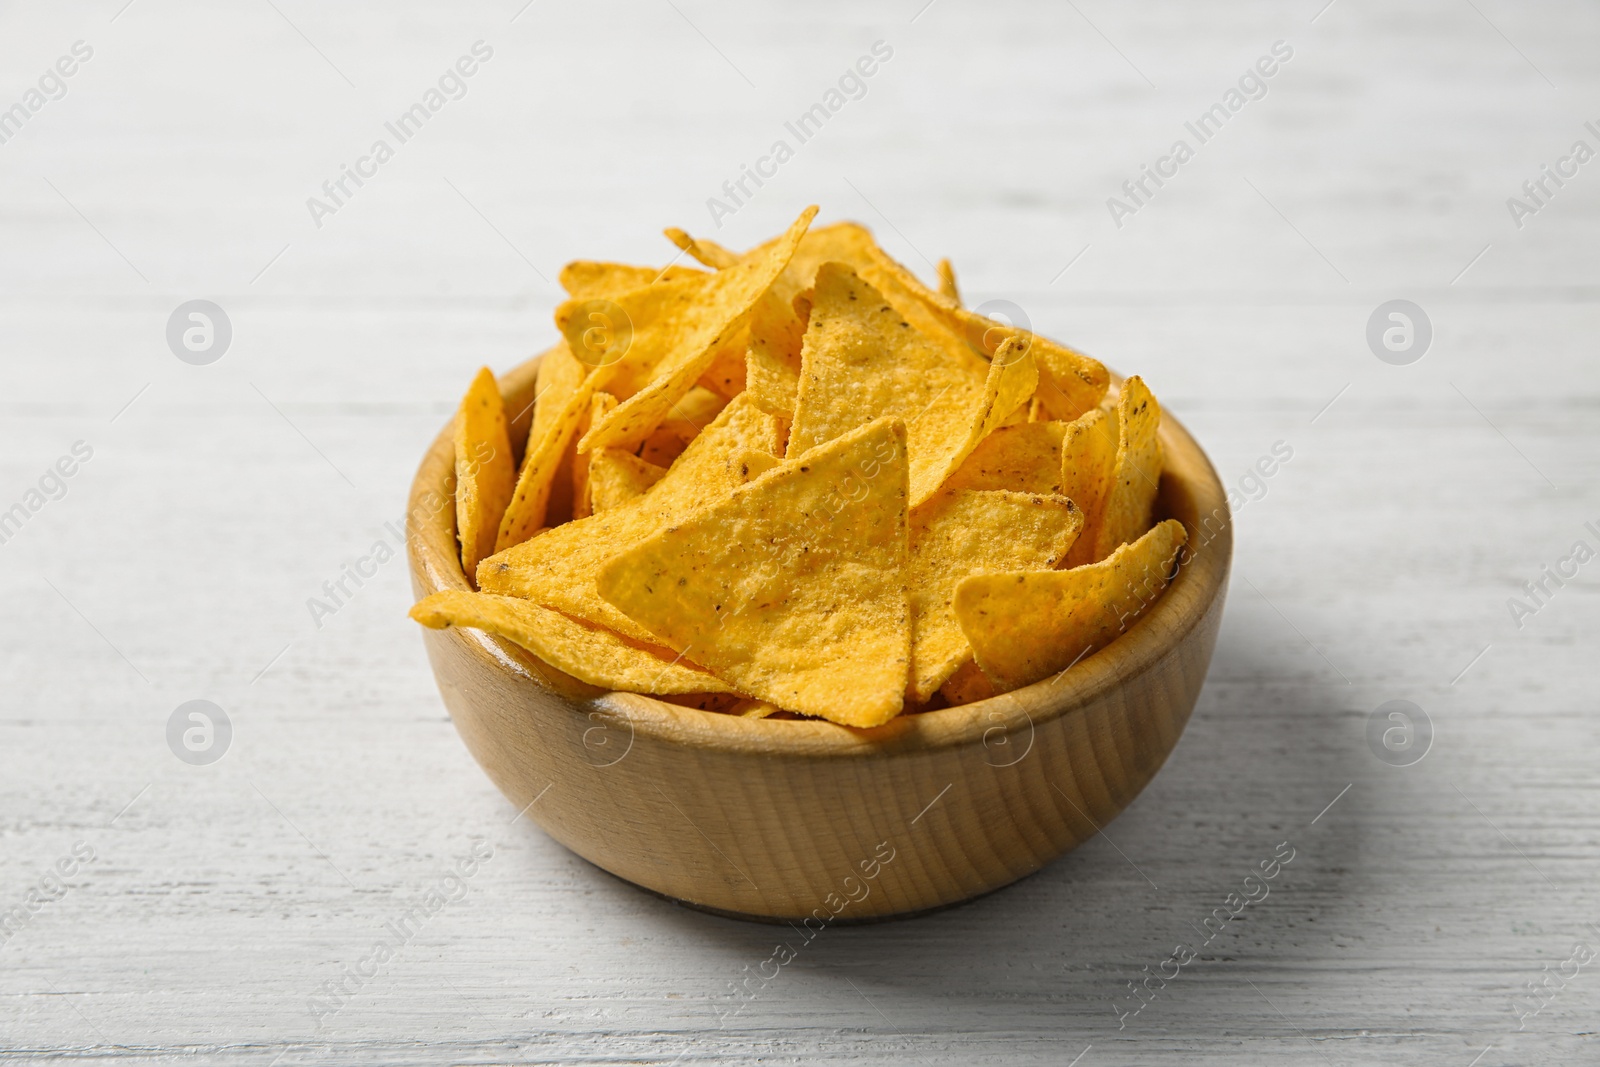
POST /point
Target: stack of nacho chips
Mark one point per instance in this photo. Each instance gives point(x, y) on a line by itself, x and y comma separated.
point(799, 483)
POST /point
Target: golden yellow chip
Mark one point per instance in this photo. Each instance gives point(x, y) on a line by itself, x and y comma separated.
point(862, 360)
point(586, 279)
point(963, 532)
point(485, 473)
point(617, 476)
point(588, 653)
point(1025, 626)
point(754, 709)
point(792, 589)
point(582, 505)
point(772, 372)
point(725, 376)
point(557, 569)
point(1079, 380)
point(1025, 457)
point(1088, 463)
point(966, 685)
point(675, 336)
point(688, 417)
point(947, 281)
point(707, 252)
point(562, 400)
point(693, 412)
point(772, 357)
point(1130, 496)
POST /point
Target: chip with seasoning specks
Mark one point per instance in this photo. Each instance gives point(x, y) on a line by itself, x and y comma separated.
point(796, 482)
point(792, 590)
point(485, 474)
point(1025, 626)
point(962, 532)
point(588, 653)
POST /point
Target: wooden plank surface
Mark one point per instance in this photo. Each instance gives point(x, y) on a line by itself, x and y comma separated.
point(1375, 564)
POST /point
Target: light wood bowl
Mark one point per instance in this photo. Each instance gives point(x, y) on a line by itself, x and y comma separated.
point(791, 820)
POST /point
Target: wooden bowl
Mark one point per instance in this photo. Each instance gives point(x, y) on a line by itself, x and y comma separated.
point(810, 822)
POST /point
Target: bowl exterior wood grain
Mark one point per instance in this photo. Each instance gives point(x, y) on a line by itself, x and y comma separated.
point(811, 822)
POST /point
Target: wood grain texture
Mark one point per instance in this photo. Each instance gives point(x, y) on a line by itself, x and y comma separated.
point(927, 811)
point(1375, 564)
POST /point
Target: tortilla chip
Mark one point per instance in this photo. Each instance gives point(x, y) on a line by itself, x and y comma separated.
point(588, 653)
point(1025, 458)
point(1079, 380)
point(1130, 496)
point(960, 533)
point(485, 473)
point(709, 253)
point(947, 281)
point(586, 279)
point(1088, 459)
point(725, 376)
point(562, 401)
point(693, 412)
point(1025, 626)
point(754, 709)
point(676, 335)
point(966, 685)
point(772, 358)
point(617, 476)
point(599, 404)
point(1070, 383)
point(557, 569)
point(862, 360)
point(792, 589)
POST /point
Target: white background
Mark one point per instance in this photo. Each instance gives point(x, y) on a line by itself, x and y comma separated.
point(1377, 565)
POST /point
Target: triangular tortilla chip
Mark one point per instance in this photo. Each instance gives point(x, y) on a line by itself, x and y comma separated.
point(772, 358)
point(675, 336)
point(582, 504)
point(960, 533)
point(617, 476)
point(586, 279)
point(772, 372)
point(562, 401)
point(588, 653)
point(792, 589)
point(947, 281)
point(1124, 514)
point(725, 376)
point(1025, 626)
point(862, 360)
point(557, 569)
point(967, 684)
point(1088, 460)
point(1079, 380)
point(707, 252)
point(1025, 458)
point(485, 473)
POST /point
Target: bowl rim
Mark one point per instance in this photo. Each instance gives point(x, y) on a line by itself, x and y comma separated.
point(435, 563)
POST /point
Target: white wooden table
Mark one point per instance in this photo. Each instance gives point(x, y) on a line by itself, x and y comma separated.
point(1374, 565)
